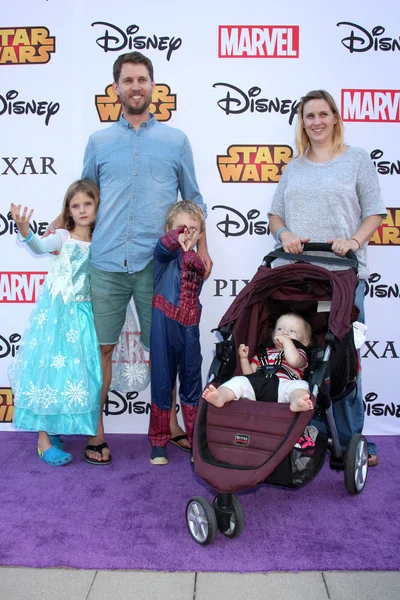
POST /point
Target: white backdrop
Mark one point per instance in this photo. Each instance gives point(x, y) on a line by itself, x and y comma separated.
point(55, 67)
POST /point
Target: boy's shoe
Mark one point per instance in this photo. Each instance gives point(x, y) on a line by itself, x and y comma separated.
point(158, 455)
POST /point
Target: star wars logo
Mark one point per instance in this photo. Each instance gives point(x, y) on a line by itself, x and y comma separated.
point(253, 164)
point(372, 106)
point(20, 287)
point(258, 41)
point(109, 107)
point(26, 45)
point(361, 40)
point(388, 234)
point(6, 405)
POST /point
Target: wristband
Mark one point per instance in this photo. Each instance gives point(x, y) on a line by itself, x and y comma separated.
point(28, 239)
point(359, 245)
point(278, 233)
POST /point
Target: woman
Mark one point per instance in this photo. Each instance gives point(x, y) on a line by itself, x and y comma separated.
point(329, 193)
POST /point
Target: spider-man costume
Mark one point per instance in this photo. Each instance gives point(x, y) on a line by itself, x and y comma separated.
point(175, 335)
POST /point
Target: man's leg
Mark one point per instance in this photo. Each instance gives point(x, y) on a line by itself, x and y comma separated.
point(111, 293)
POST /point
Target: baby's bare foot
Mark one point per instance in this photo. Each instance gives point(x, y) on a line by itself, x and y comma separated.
point(212, 395)
point(301, 403)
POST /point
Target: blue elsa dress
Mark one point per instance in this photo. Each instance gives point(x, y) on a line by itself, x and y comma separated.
point(56, 377)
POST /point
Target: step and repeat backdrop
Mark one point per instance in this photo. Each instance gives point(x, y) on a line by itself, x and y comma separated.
point(231, 77)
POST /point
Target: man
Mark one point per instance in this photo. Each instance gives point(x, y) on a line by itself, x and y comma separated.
point(139, 166)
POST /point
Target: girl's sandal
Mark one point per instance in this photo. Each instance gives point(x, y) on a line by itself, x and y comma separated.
point(55, 440)
point(55, 456)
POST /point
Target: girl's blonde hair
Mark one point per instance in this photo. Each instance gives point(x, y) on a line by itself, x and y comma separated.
point(189, 207)
point(302, 140)
point(84, 186)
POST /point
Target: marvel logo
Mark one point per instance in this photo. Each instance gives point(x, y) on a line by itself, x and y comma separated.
point(258, 41)
point(20, 287)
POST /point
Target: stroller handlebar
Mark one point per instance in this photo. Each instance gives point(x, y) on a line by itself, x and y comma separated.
point(350, 260)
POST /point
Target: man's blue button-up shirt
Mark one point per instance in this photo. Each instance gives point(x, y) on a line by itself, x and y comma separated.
point(139, 173)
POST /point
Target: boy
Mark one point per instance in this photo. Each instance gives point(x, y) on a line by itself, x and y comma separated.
point(175, 336)
point(293, 362)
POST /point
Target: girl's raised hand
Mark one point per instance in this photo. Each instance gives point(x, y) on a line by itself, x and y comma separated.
point(21, 220)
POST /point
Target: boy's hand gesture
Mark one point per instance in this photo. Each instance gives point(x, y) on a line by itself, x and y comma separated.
point(21, 220)
point(243, 351)
point(185, 240)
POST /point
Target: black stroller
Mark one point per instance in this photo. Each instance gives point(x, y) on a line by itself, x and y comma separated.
point(246, 443)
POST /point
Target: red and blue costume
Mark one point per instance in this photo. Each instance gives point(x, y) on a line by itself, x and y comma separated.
point(175, 335)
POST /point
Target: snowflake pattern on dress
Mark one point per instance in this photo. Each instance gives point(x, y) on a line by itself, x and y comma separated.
point(31, 394)
point(48, 396)
point(41, 318)
point(72, 335)
point(59, 361)
point(75, 393)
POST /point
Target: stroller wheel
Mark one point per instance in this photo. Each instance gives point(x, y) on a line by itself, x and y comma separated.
point(236, 521)
point(356, 464)
point(201, 520)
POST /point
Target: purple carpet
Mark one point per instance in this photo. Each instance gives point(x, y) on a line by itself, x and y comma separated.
point(130, 515)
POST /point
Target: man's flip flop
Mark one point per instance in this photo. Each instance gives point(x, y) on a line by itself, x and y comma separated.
point(98, 449)
point(175, 440)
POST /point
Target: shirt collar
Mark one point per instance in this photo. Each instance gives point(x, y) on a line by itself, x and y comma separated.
point(146, 125)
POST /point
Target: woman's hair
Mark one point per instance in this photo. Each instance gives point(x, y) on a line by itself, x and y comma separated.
point(189, 207)
point(302, 140)
point(84, 186)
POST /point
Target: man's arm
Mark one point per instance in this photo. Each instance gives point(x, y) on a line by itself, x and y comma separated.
point(189, 190)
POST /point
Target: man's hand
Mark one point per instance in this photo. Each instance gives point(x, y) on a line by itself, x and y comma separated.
point(205, 257)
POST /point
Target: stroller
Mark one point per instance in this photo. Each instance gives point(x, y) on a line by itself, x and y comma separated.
point(246, 443)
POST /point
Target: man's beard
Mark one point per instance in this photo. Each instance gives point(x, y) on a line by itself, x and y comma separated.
point(137, 110)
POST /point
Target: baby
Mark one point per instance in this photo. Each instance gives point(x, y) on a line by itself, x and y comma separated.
point(293, 362)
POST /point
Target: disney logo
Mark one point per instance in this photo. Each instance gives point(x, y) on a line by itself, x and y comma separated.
point(382, 290)
point(22, 107)
point(380, 409)
point(7, 225)
point(115, 39)
point(243, 224)
point(366, 41)
point(241, 101)
point(9, 346)
point(384, 167)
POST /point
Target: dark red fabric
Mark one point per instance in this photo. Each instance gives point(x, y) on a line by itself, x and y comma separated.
point(300, 282)
point(189, 415)
point(159, 427)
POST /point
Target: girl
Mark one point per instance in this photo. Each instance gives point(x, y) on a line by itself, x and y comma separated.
point(56, 377)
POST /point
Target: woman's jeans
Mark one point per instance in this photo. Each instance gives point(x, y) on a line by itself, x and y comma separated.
point(349, 411)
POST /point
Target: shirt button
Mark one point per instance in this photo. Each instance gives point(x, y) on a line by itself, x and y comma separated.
point(130, 218)
point(136, 153)
point(135, 174)
point(133, 196)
